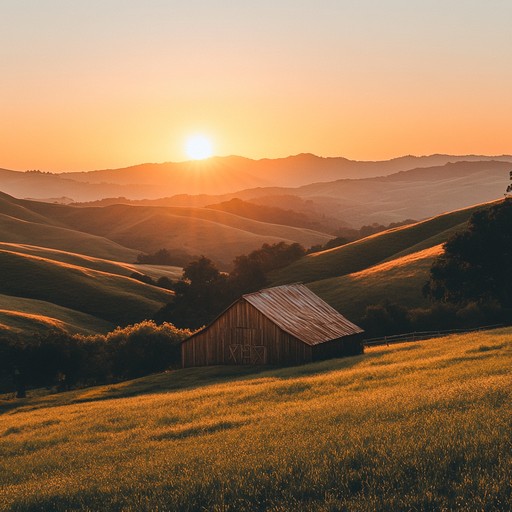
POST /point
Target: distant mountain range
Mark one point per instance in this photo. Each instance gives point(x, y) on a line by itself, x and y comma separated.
point(413, 194)
point(214, 176)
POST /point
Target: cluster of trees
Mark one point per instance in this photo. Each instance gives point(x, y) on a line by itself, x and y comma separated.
point(347, 235)
point(62, 359)
point(204, 291)
point(161, 282)
point(164, 257)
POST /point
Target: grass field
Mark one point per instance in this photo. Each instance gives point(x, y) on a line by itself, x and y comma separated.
point(424, 426)
point(399, 281)
point(365, 253)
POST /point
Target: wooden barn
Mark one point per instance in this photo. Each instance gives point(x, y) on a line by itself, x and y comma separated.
point(285, 325)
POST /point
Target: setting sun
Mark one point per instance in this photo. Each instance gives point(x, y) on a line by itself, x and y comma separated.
point(199, 147)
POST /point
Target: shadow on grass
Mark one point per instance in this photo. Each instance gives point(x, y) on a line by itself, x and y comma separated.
point(184, 379)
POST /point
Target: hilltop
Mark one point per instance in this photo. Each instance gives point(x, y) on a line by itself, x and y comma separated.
point(314, 437)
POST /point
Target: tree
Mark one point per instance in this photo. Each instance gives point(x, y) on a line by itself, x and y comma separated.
point(508, 193)
point(477, 263)
point(200, 295)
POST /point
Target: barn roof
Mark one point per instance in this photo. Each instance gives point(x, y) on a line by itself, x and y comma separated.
point(299, 312)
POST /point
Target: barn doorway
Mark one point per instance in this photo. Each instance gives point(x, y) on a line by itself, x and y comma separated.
point(247, 354)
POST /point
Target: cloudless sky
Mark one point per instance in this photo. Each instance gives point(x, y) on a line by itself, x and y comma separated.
point(110, 83)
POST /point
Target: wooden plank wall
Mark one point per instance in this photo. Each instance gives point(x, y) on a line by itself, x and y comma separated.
point(242, 335)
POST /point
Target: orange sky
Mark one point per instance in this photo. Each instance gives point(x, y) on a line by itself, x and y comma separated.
point(115, 83)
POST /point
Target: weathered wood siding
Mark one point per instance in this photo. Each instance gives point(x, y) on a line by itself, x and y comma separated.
point(242, 335)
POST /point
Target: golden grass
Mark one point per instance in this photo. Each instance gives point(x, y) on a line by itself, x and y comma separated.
point(423, 426)
point(399, 281)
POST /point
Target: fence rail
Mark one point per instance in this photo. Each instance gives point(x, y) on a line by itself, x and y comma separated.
point(422, 335)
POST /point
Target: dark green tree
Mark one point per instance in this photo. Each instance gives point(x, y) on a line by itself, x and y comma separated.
point(201, 294)
point(477, 263)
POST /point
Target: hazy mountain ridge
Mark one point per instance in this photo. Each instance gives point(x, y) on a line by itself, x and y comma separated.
point(214, 176)
point(416, 193)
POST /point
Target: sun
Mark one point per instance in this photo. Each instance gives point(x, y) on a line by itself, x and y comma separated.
point(199, 147)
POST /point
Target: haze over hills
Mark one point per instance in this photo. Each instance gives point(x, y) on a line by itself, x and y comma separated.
point(121, 232)
point(416, 193)
point(214, 176)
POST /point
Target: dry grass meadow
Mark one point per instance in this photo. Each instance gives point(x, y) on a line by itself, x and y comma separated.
point(423, 426)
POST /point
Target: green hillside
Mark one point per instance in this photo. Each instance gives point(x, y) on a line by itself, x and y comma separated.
point(104, 295)
point(19, 231)
point(370, 251)
point(424, 426)
point(399, 281)
point(26, 316)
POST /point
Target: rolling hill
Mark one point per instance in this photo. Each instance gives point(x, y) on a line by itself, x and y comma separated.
point(367, 252)
point(399, 281)
point(109, 297)
point(22, 316)
point(423, 426)
point(193, 231)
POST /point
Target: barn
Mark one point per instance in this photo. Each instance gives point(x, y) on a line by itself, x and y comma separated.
point(284, 325)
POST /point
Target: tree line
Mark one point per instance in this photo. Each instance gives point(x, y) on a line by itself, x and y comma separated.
point(204, 291)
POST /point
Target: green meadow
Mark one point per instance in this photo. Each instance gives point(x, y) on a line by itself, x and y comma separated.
point(423, 426)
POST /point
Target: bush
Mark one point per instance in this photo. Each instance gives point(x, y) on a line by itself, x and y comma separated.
point(64, 359)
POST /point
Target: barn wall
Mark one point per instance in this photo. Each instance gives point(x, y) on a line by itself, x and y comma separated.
point(242, 335)
point(342, 347)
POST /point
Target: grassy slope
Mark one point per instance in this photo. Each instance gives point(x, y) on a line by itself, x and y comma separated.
point(107, 296)
point(219, 235)
point(20, 315)
point(399, 280)
point(20, 231)
point(423, 426)
point(113, 267)
point(370, 251)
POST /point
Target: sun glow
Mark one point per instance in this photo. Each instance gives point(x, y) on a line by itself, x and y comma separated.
point(199, 147)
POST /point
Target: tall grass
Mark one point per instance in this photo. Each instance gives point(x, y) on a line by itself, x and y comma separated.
point(423, 426)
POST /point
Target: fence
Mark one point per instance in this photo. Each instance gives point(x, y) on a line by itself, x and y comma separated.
point(424, 335)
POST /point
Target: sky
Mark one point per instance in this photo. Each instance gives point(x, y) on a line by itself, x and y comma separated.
point(111, 83)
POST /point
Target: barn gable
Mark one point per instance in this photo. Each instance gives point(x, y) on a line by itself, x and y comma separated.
point(282, 325)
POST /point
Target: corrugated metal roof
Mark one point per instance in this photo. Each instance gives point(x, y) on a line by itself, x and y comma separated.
point(301, 313)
